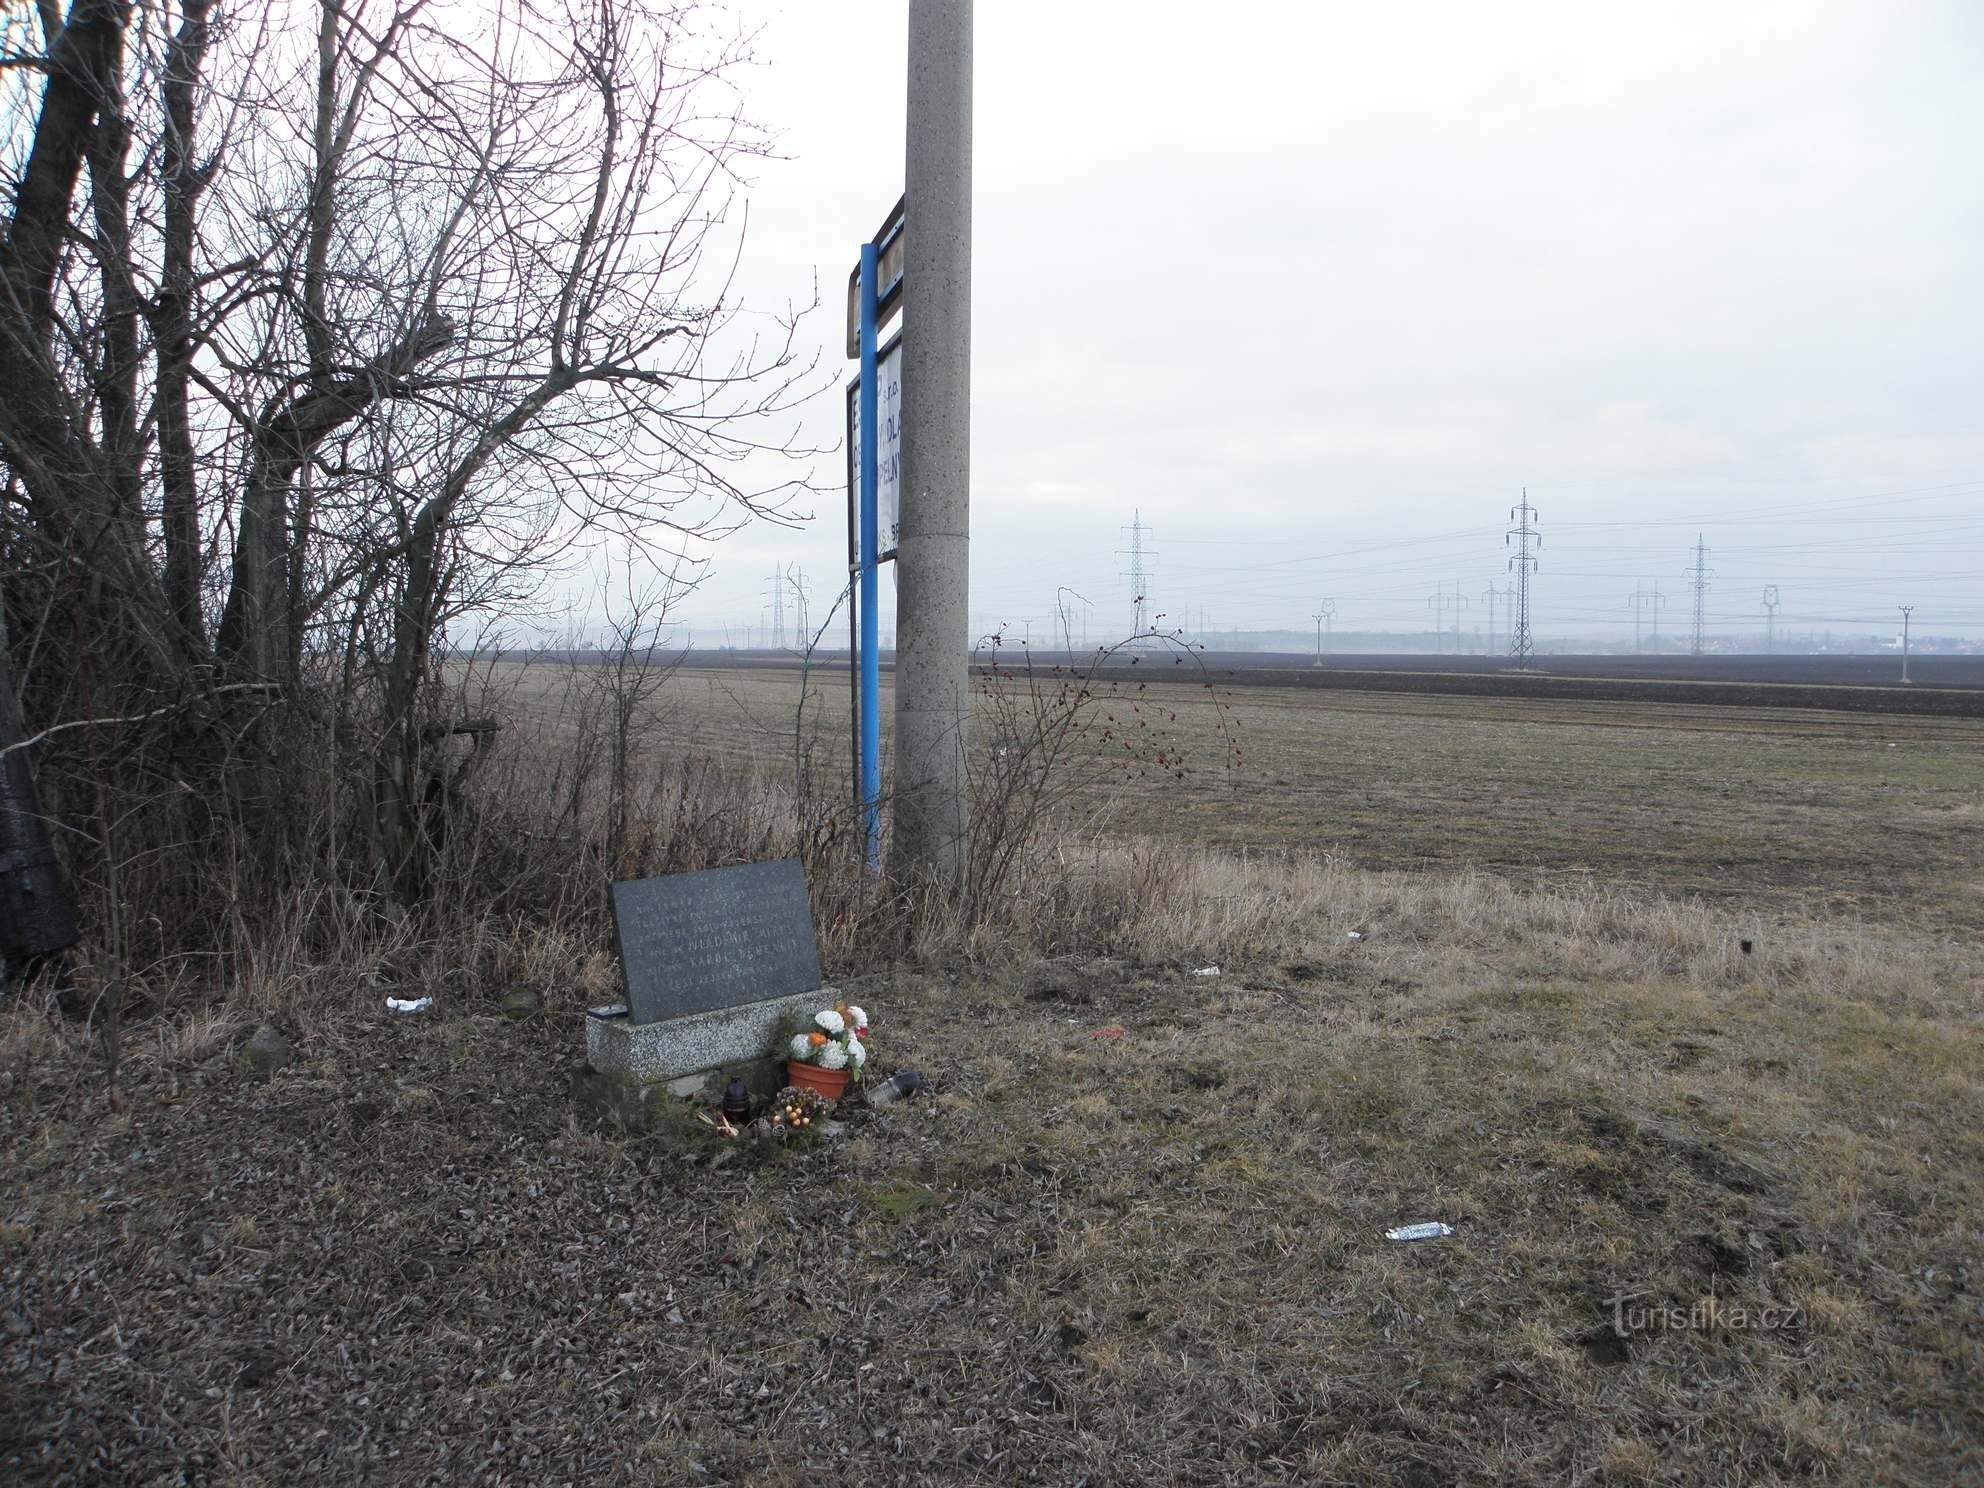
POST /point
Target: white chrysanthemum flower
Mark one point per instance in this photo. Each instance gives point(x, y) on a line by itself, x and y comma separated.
point(857, 1055)
point(801, 1047)
point(855, 1017)
point(830, 1021)
point(833, 1056)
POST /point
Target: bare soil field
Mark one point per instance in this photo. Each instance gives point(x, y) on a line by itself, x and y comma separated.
point(1723, 687)
point(1785, 815)
point(1945, 685)
point(1780, 814)
point(1880, 670)
point(1716, 1214)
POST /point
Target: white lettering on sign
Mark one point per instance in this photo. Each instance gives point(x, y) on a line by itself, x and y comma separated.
point(888, 460)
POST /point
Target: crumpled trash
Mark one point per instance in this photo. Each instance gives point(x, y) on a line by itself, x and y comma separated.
point(408, 1004)
point(1430, 1230)
point(1355, 935)
point(1207, 971)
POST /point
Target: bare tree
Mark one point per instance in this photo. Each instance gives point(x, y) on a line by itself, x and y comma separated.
point(326, 325)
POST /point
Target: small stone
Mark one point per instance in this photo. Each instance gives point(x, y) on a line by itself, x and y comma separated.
point(265, 1052)
point(520, 1003)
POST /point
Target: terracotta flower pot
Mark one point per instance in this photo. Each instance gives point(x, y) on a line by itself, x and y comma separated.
point(829, 1082)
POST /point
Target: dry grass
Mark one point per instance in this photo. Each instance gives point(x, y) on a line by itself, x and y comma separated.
point(1157, 1257)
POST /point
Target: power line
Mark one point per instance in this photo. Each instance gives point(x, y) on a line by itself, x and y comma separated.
point(1798, 508)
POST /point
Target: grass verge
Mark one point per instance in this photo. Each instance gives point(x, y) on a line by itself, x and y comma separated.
point(1158, 1256)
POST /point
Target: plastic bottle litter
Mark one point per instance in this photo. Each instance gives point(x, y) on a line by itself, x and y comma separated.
point(1431, 1230)
point(408, 1004)
point(1207, 971)
point(903, 1083)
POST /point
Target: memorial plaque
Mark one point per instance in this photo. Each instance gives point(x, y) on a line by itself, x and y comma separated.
point(695, 942)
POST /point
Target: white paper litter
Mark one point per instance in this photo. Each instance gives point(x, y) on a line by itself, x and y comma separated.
point(1355, 935)
point(1207, 971)
point(408, 1004)
point(1431, 1230)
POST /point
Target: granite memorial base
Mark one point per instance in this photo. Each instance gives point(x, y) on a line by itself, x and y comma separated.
point(640, 1105)
point(685, 1054)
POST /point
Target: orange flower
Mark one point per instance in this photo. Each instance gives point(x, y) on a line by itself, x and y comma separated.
point(816, 1038)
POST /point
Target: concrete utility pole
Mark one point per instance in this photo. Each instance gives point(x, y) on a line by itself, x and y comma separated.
point(1906, 611)
point(933, 549)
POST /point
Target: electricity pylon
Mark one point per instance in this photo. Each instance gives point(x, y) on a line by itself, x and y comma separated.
point(1522, 644)
point(1136, 574)
point(776, 583)
point(1702, 574)
point(796, 579)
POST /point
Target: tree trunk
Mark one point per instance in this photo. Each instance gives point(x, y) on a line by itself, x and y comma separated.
point(37, 913)
point(172, 329)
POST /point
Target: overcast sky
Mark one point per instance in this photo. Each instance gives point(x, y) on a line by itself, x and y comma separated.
point(1319, 288)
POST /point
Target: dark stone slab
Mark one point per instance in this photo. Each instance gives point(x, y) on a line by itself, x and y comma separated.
point(695, 942)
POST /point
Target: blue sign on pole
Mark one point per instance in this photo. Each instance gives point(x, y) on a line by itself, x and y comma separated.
point(871, 662)
point(874, 293)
